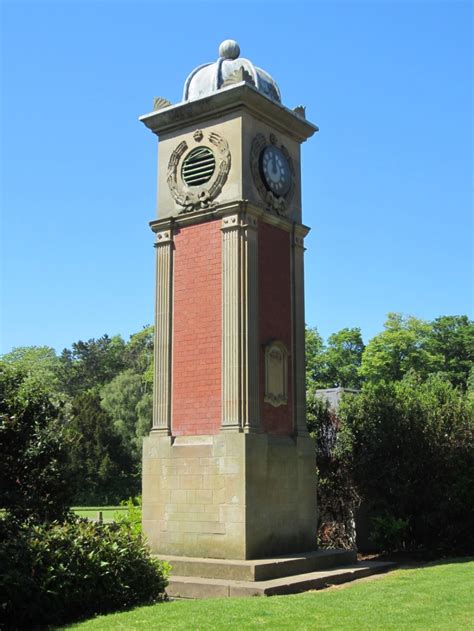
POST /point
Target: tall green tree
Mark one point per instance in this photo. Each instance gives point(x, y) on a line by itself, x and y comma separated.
point(91, 364)
point(139, 353)
point(335, 364)
point(100, 464)
point(314, 352)
point(451, 340)
point(39, 366)
point(342, 358)
point(400, 348)
point(127, 400)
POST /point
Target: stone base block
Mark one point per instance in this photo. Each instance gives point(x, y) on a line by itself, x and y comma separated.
point(229, 496)
point(195, 587)
point(260, 569)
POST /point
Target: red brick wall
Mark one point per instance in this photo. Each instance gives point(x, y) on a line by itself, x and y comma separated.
point(274, 286)
point(197, 330)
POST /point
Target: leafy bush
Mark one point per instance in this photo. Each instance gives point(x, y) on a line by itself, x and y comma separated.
point(389, 533)
point(132, 519)
point(54, 573)
point(413, 459)
point(337, 493)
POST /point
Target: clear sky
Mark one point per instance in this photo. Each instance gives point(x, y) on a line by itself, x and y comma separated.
point(387, 182)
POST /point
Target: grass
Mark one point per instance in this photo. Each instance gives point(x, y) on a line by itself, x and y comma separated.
point(91, 512)
point(435, 597)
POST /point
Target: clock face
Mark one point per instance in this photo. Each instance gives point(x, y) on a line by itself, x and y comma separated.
point(275, 170)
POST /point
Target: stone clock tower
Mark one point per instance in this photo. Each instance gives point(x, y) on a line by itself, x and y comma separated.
point(228, 468)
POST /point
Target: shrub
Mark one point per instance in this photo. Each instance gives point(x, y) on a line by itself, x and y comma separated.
point(337, 493)
point(132, 519)
point(413, 461)
point(57, 572)
point(33, 450)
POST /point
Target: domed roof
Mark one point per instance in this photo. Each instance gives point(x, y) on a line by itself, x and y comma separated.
point(228, 69)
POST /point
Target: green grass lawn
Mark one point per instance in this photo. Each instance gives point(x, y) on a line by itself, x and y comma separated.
point(439, 596)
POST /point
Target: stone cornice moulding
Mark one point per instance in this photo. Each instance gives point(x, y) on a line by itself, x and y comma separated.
point(232, 98)
point(217, 212)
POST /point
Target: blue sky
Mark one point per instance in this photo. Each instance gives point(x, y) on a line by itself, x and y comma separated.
point(387, 182)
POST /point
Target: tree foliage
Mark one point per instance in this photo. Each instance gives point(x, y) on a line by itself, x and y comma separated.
point(400, 348)
point(336, 363)
point(127, 400)
point(99, 462)
point(33, 476)
point(91, 364)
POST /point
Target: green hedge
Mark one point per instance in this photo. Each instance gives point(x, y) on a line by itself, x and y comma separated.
point(58, 572)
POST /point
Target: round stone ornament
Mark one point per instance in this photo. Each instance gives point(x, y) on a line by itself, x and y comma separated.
point(229, 49)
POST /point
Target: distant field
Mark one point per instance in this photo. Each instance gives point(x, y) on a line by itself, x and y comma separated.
point(92, 512)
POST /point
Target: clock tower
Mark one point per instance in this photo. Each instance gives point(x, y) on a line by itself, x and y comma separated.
point(228, 468)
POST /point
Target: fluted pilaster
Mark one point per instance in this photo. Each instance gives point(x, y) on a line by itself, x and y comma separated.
point(162, 353)
point(249, 289)
point(299, 368)
point(231, 305)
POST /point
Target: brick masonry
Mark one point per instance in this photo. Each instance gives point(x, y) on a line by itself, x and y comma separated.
point(274, 284)
point(196, 399)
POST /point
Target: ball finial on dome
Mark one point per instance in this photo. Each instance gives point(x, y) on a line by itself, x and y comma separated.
point(229, 49)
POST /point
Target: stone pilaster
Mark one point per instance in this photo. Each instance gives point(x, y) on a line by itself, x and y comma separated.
point(249, 289)
point(231, 355)
point(299, 369)
point(162, 353)
point(240, 396)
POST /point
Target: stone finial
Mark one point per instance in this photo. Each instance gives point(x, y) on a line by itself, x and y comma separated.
point(229, 49)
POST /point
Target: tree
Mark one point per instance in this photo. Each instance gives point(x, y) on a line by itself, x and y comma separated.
point(91, 364)
point(402, 347)
point(126, 399)
point(451, 340)
point(39, 366)
point(336, 364)
point(139, 353)
point(100, 464)
point(342, 358)
point(314, 350)
point(33, 450)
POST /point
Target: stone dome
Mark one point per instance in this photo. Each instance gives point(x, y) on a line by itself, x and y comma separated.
point(228, 69)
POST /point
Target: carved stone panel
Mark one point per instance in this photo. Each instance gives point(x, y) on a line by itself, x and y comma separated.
point(195, 197)
point(276, 374)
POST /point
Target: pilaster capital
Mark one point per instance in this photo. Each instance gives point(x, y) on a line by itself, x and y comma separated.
point(230, 222)
point(298, 235)
point(164, 237)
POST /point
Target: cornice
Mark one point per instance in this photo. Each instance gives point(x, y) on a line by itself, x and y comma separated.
point(233, 98)
point(229, 208)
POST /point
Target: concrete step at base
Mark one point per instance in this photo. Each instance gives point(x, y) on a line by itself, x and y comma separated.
point(260, 569)
point(196, 587)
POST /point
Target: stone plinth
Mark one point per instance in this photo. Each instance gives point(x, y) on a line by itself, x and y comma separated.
point(229, 495)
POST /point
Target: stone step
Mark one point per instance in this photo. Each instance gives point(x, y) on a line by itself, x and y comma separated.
point(196, 587)
point(260, 569)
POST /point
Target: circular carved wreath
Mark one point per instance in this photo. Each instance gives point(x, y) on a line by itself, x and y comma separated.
point(197, 197)
point(278, 203)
